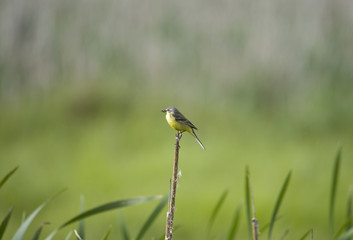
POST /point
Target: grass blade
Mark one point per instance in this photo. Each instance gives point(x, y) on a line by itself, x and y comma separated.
point(247, 201)
point(52, 234)
point(110, 206)
point(78, 235)
point(22, 229)
point(278, 204)
point(68, 236)
point(349, 207)
point(335, 174)
point(265, 226)
point(3, 181)
point(124, 231)
point(347, 235)
point(152, 217)
point(107, 234)
point(39, 230)
point(343, 227)
point(234, 226)
point(4, 223)
point(285, 234)
point(25, 224)
point(81, 223)
point(216, 210)
point(306, 234)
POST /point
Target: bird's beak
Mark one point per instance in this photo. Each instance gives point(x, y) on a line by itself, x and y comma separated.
point(164, 110)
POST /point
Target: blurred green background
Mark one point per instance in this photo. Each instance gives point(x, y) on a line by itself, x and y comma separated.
point(269, 84)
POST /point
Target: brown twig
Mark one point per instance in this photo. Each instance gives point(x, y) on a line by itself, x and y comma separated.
point(255, 228)
point(254, 222)
point(171, 207)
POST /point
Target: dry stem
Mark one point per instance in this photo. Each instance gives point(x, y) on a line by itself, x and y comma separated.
point(171, 207)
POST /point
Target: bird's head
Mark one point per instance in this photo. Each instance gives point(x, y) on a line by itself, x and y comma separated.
point(170, 110)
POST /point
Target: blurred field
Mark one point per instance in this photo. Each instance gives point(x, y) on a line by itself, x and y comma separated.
point(268, 84)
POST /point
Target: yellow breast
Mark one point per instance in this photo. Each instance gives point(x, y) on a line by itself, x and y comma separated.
point(179, 126)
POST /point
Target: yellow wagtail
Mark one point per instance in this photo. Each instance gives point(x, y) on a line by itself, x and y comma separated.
point(180, 123)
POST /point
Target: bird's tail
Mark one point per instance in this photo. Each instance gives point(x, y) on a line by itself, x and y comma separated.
point(197, 139)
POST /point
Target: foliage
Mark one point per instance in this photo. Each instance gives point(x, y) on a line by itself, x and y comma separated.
point(345, 232)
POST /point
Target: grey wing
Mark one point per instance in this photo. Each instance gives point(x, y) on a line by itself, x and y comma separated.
point(190, 124)
point(180, 117)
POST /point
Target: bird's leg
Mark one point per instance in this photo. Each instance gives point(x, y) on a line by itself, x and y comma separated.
point(179, 134)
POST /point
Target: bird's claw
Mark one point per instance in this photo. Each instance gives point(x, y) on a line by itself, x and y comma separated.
point(179, 134)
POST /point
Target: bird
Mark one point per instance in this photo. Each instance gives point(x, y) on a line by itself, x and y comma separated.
point(180, 123)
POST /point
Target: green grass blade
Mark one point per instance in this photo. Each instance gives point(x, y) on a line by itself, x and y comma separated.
point(68, 236)
point(124, 232)
point(7, 176)
point(25, 224)
point(52, 234)
point(285, 234)
point(107, 234)
point(247, 201)
point(278, 204)
point(343, 227)
point(110, 206)
point(347, 235)
point(4, 223)
point(22, 229)
point(216, 210)
point(306, 234)
point(152, 217)
point(265, 226)
point(38, 231)
point(335, 175)
point(235, 224)
point(349, 207)
point(78, 235)
point(81, 223)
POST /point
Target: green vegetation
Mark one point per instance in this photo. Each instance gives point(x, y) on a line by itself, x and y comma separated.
point(268, 84)
point(20, 233)
point(94, 143)
point(344, 233)
point(112, 146)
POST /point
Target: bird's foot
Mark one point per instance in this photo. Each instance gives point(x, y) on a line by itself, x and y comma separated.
point(179, 135)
